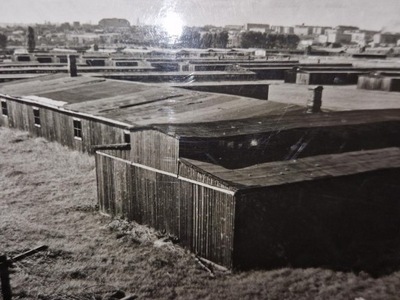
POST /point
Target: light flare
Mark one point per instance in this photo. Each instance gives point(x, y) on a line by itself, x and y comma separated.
point(173, 24)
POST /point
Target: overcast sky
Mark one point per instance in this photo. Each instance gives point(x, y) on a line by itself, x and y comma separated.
point(366, 14)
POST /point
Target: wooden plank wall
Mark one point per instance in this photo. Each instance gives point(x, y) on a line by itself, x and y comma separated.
point(269, 73)
point(290, 76)
point(155, 149)
point(369, 83)
point(394, 84)
point(213, 219)
point(4, 120)
point(345, 222)
point(326, 78)
point(112, 186)
point(185, 170)
point(202, 218)
point(388, 84)
point(58, 126)
point(303, 78)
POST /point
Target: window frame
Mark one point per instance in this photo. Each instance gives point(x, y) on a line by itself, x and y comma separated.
point(77, 127)
point(4, 108)
point(36, 117)
point(127, 133)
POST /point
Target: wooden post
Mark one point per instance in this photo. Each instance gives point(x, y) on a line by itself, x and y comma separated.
point(314, 101)
point(29, 253)
point(5, 278)
point(5, 275)
point(72, 69)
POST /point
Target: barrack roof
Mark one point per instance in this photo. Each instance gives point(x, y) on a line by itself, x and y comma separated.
point(300, 170)
point(278, 122)
point(142, 104)
point(179, 112)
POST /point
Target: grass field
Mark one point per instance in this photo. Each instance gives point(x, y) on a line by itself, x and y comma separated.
point(48, 196)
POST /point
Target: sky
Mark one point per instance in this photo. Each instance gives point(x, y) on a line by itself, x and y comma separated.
point(366, 14)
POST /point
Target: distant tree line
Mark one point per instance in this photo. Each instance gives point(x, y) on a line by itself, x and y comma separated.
point(31, 40)
point(192, 38)
point(252, 39)
point(3, 41)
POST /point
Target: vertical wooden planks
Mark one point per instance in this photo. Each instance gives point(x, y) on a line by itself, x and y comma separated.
point(57, 126)
point(201, 217)
point(155, 149)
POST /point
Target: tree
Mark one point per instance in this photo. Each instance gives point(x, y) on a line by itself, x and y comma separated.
point(190, 38)
point(292, 41)
point(281, 41)
point(31, 40)
point(3, 41)
point(222, 39)
point(252, 39)
point(206, 41)
point(270, 41)
point(214, 40)
point(65, 26)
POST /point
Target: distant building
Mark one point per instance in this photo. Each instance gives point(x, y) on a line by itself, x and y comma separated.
point(386, 38)
point(256, 27)
point(361, 37)
point(301, 30)
point(281, 29)
point(109, 38)
point(288, 30)
point(305, 30)
point(317, 30)
point(358, 37)
point(344, 35)
point(278, 29)
point(337, 36)
point(323, 38)
point(114, 24)
point(305, 43)
point(83, 38)
point(234, 27)
point(344, 28)
point(340, 38)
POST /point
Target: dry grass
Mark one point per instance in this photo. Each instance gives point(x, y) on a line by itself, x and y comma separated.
point(48, 196)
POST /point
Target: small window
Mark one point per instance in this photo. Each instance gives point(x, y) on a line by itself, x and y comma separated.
point(127, 137)
point(77, 129)
point(23, 58)
point(63, 59)
point(126, 64)
point(36, 116)
point(4, 109)
point(44, 60)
